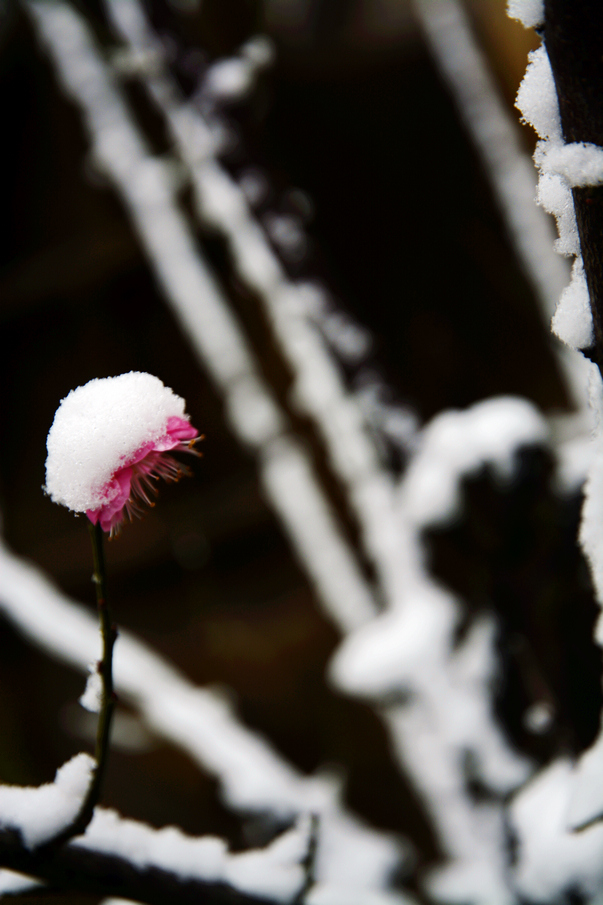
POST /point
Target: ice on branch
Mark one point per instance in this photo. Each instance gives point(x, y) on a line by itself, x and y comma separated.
point(529, 12)
point(110, 439)
point(39, 814)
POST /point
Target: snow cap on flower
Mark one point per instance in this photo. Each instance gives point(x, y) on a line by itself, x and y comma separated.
point(109, 439)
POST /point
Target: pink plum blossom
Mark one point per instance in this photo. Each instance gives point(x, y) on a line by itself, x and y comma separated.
point(110, 440)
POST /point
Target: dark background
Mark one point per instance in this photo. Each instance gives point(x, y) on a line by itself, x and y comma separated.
point(403, 230)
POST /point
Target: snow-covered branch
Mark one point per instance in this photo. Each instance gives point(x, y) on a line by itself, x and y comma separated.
point(424, 655)
point(318, 389)
point(124, 858)
point(146, 185)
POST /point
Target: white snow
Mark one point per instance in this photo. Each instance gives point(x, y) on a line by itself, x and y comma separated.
point(446, 713)
point(329, 894)
point(562, 166)
point(579, 162)
point(234, 77)
point(97, 427)
point(252, 775)
point(555, 196)
point(13, 883)
point(552, 858)
point(495, 133)
point(458, 442)
point(591, 527)
point(529, 12)
point(274, 872)
point(572, 321)
point(40, 813)
point(92, 696)
point(254, 185)
point(446, 687)
point(228, 79)
point(537, 97)
point(334, 571)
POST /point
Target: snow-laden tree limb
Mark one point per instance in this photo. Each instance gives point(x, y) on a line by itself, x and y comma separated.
point(318, 390)
point(496, 138)
point(145, 183)
point(447, 688)
point(126, 858)
point(574, 45)
point(561, 97)
point(252, 775)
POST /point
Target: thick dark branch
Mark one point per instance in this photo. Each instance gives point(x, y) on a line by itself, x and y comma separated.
point(573, 34)
point(73, 868)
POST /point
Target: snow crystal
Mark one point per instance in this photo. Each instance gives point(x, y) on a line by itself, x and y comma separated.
point(40, 813)
point(555, 196)
point(572, 321)
point(537, 97)
point(529, 12)
point(579, 162)
point(97, 427)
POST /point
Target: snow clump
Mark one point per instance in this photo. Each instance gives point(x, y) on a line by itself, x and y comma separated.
point(110, 439)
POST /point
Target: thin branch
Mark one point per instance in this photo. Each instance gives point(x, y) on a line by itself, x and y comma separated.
point(108, 699)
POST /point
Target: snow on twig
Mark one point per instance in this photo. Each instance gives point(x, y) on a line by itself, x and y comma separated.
point(561, 166)
point(144, 184)
point(446, 688)
point(127, 856)
point(253, 776)
point(552, 856)
point(40, 814)
point(496, 137)
point(497, 140)
point(318, 388)
point(319, 392)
